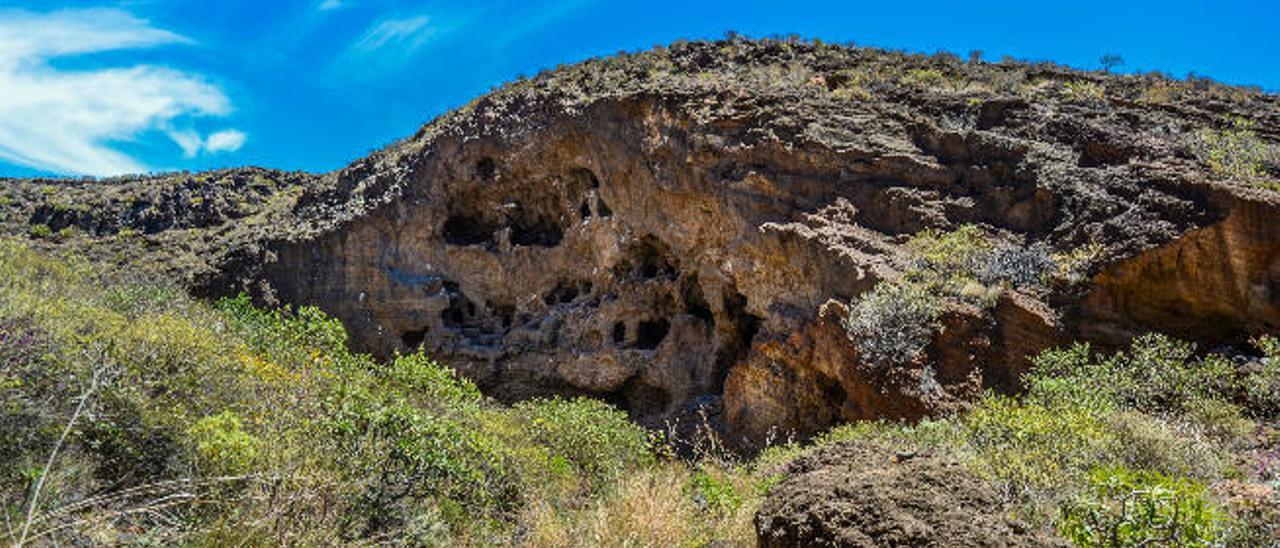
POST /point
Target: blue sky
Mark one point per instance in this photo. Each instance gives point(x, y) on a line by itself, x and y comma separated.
point(109, 87)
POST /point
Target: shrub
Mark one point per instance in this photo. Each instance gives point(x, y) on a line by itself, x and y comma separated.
point(593, 436)
point(412, 454)
point(1033, 447)
point(1162, 93)
point(221, 444)
point(925, 78)
point(713, 493)
point(1018, 265)
point(1073, 265)
point(1135, 508)
point(956, 253)
point(1236, 152)
point(894, 322)
point(1261, 383)
point(1083, 91)
point(1169, 446)
point(1158, 374)
point(966, 261)
point(435, 384)
point(40, 231)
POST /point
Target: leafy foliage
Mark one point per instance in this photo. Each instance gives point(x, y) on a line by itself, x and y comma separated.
point(1136, 508)
point(1237, 152)
point(892, 324)
point(597, 439)
point(1158, 374)
point(222, 445)
point(1018, 265)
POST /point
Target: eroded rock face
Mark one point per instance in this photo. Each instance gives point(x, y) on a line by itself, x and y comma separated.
point(635, 255)
point(1215, 284)
point(680, 231)
point(687, 254)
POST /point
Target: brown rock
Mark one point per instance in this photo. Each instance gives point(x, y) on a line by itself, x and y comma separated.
point(856, 495)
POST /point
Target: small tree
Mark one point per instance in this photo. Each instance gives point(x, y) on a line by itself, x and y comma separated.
point(1110, 61)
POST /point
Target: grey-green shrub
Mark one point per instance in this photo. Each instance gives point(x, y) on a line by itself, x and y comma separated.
point(893, 322)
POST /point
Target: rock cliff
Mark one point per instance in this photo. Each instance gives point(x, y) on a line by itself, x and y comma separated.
point(682, 231)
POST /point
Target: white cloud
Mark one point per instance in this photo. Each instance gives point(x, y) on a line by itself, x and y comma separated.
point(228, 140)
point(192, 144)
point(389, 44)
point(65, 121)
point(327, 5)
point(406, 35)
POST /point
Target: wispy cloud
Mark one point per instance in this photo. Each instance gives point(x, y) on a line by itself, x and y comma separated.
point(65, 121)
point(192, 144)
point(405, 35)
point(227, 140)
point(327, 5)
point(391, 42)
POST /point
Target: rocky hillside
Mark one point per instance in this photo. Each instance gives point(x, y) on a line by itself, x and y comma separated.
point(770, 236)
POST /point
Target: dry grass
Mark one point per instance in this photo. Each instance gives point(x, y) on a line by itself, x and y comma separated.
point(658, 506)
point(646, 509)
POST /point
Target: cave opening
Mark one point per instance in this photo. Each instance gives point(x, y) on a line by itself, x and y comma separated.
point(744, 327)
point(650, 333)
point(695, 304)
point(643, 399)
point(565, 292)
point(462, 229)
point(619, 333)
point(581, 177)
point(647, 259)
point(531, 229)
point(486, 169)
point(461, 311)
point(505, 313)
point(413, 338)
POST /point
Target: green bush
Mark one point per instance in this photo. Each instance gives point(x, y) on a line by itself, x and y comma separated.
point(1034, 447)
point(969, 264)
point(221, 444)
point(1261, 384)
point(1236, 151)
point(893, 323)
point(714, 494)
point(596, 438)
point(953, 254)
point(1082, 91)
point(435, 384)
point(408, 453)
point(1134, 508)
point(1157, 375)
